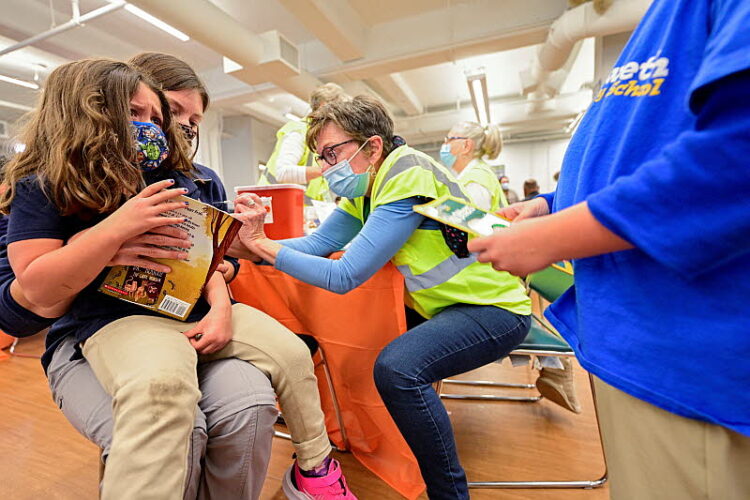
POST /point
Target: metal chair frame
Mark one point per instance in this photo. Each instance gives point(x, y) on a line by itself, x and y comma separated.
point(577, 484)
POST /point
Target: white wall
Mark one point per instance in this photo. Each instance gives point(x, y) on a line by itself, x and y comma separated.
point(533, 160)
point(245, 143)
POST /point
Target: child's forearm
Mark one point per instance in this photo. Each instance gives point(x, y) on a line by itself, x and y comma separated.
point(216, 292)
point(50, 273)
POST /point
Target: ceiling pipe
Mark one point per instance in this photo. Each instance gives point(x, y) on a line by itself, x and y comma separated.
point(75, 21)
point(545, 77)
point(219, 31)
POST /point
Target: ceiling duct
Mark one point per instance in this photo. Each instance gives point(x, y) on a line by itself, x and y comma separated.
point(280, 58)
point(547, 72)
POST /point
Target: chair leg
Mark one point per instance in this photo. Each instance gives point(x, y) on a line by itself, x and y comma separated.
point(485, 397)
point(585, 484)
point(12, 349)
point(336, 407)
point(101, 473)
point(487, 383)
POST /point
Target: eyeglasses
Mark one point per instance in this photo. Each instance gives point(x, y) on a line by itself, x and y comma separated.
point(449, 138)
point(328, 153)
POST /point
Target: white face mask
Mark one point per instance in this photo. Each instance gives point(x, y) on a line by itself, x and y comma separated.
point(505, 185)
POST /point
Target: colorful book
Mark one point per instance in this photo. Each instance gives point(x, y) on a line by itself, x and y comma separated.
point(174, 294)
point(462, 215)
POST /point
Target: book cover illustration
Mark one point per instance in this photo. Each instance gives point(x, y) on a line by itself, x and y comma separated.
point(462, 215)
point(174, 294)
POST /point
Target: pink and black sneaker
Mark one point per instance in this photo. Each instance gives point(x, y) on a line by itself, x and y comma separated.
point(327, 485)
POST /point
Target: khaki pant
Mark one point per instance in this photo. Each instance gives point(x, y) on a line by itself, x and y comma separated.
point(654, 454)
point(149, 369)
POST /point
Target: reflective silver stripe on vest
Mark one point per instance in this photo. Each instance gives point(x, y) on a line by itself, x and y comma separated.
point(437, 275)
point(411, 160)
point(270, 177)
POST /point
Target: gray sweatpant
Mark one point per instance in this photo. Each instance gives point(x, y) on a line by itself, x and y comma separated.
point(231, 440)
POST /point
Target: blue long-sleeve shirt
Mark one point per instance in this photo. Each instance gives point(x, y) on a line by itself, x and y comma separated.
point(372, 245)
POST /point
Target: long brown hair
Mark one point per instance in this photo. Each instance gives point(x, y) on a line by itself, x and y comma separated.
point(79, 142)
point(171, 73)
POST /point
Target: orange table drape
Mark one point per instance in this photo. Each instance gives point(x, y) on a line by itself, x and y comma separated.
point(352, 329)
point(5, 341)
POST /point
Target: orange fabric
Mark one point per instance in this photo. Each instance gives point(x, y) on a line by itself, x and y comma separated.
point(5, 341)
point(352, 329)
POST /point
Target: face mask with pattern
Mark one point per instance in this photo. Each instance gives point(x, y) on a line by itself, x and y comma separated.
point(151, 146)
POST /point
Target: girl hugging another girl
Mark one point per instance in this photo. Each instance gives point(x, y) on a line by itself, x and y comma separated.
point(105, 159)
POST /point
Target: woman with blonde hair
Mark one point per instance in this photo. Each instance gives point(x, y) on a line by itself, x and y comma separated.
point(464, 150)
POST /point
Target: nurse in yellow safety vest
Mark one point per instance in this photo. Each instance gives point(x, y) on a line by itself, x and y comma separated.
point(291, 161)
point(464, 150)
point(461, 313)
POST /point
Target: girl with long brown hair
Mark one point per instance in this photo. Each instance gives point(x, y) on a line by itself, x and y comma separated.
point(233, 428)
point(108, 131)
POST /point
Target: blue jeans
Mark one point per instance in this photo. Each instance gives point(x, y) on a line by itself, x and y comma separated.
point(458, 339)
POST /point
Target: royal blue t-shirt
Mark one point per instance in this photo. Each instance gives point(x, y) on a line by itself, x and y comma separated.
point(662, 157)
point(33, 216)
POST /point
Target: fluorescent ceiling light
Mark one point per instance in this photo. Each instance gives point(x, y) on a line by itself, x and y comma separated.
point(13, 105)
point(479, 99)
point(292, 116)
point(15, 81)
point(156, 22)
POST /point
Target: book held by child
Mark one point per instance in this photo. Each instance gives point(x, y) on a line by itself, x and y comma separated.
point(174, 294)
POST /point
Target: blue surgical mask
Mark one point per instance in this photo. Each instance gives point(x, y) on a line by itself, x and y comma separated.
point(344, 182)
point(446, 157)
point(151, 145)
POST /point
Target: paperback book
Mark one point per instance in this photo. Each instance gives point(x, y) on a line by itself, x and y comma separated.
point(462, 215)
point(174, 294)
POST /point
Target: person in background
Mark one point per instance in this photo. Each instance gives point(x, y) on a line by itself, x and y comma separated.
point(556, 177)
point(653, 205)
point(510, 195)
point(464, 150)
point(291, 161)
point(460, 315)
point(530, 189)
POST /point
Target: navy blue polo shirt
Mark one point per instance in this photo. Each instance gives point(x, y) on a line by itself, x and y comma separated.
point(34, 216)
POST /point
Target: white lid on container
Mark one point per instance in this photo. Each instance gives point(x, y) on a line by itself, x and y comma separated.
point(239, 189)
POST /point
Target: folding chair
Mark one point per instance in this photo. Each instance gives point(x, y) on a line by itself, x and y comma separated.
point(541, 340)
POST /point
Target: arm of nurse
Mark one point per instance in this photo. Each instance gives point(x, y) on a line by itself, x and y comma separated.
point(252, 241)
